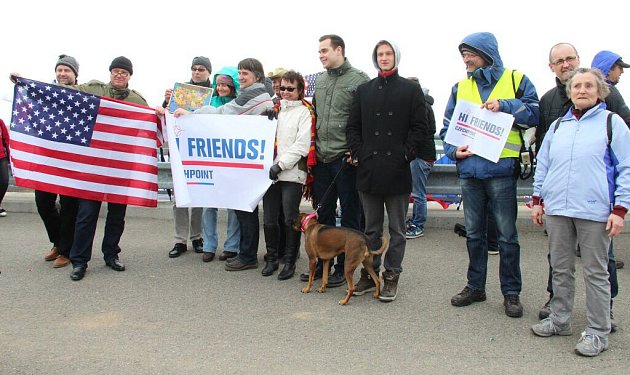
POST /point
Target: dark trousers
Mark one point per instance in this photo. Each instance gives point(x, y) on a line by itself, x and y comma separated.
point(282, 200)
point(344, 189)
point(87, 217)
point(59, 223)
point(250, 236)
point(4, 177)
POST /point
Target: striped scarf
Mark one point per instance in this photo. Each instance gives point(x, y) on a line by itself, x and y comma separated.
point(311, 158)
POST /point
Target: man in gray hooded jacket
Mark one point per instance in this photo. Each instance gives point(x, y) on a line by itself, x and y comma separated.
point(387, 124)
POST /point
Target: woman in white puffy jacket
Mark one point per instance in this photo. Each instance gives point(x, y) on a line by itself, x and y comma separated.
point(293, 140)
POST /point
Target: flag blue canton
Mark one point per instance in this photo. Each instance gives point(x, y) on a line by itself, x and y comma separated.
point(309, 80)
point(54, 113)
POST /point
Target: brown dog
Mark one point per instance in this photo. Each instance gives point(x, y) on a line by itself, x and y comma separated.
point(326, 242)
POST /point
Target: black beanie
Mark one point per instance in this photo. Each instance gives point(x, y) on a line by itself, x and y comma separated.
point(202, 60)
point(121, 62)
point(70, 62)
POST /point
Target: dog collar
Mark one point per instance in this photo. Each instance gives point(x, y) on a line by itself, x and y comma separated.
point(307, 219)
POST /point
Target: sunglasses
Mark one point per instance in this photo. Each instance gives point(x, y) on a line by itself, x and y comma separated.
point(289, 89)
point(198, 69)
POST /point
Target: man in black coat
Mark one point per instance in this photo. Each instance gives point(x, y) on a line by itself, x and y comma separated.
point(387, 124)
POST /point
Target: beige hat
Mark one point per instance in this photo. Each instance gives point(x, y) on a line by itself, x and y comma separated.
point(277, 73)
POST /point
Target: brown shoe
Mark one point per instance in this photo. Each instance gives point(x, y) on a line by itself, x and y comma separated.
point(207, 257)
point(52, 255)
point(61, 261)
point(227, 255)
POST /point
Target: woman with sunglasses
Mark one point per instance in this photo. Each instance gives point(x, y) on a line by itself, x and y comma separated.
point(293, 141)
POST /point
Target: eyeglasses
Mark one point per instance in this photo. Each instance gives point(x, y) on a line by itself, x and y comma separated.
point(198, 69)
point(289, 89)
point(120, 73)
point(568, 59)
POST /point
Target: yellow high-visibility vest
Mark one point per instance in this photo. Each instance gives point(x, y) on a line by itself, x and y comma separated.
point(504, 89)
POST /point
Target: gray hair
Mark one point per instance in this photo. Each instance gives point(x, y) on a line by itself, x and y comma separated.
point(602, 87)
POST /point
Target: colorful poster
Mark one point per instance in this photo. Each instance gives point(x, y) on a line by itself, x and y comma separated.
point(189, 97)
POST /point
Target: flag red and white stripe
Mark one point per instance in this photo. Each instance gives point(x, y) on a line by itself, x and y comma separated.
point(108, 155)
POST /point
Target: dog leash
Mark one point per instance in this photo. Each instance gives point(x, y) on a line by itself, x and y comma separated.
point(319, 205)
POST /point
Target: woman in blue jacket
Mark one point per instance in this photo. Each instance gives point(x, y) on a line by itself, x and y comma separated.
point(583, 178)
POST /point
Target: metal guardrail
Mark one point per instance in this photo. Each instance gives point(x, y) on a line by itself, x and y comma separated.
point(443, 180)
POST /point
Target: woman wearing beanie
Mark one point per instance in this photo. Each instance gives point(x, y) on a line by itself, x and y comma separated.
point(225, 85)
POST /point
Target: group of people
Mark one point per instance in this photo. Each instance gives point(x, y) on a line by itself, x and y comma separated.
point(581, 182)
point(368, 144)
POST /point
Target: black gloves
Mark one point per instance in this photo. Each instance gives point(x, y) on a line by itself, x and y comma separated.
point(274, 171)
point(271, 114)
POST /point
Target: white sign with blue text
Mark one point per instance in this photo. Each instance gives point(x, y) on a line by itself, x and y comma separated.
point(485, 132)
point(221, 161)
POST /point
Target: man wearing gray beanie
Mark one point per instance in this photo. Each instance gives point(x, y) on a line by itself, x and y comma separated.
point(189, 220)
point(59, 220)
point(67, 70)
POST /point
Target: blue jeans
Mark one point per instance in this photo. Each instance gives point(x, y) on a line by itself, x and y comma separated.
point(420, 169)
point(344, 189)
point(210, 238)
point(500, 192)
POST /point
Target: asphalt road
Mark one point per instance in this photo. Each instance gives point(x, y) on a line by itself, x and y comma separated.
point(182, 316)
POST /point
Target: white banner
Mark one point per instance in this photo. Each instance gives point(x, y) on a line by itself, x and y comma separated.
point(485, 132)
point(222, 161)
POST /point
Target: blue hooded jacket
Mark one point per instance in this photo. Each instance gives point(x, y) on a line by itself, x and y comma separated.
point(604, 61)
point(231, 71)
point(524, 109)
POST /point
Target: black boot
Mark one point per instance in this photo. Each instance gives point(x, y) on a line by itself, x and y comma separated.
point(271, 242)
point(292, 248)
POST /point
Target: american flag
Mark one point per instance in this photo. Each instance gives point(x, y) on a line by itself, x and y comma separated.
point(77, 144)
point(309, 80)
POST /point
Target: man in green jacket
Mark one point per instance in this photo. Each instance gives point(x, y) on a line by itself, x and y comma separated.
point(121, 70)
point(334, 91)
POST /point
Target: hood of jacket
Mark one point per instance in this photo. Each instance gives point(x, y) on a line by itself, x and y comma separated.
point(396, 54)
point(485, 44)
point(231, 71)
point(604, 61)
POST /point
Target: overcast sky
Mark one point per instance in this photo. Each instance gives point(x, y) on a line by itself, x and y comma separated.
point(161, 38)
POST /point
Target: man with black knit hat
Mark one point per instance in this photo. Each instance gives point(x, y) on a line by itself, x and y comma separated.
point(384, 136)
point(59, 222)
point(121, 70)
point(188, 220)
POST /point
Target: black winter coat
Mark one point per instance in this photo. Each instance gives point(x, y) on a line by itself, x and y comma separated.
point(555, 103)
point(387, 124)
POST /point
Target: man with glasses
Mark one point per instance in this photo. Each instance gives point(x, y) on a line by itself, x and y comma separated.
point(487, 185)
point(188, 220)
point(563, 60)
point(121, 70)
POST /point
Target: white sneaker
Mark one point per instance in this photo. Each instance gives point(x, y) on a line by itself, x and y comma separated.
point(3, 212)
point(591, 345)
